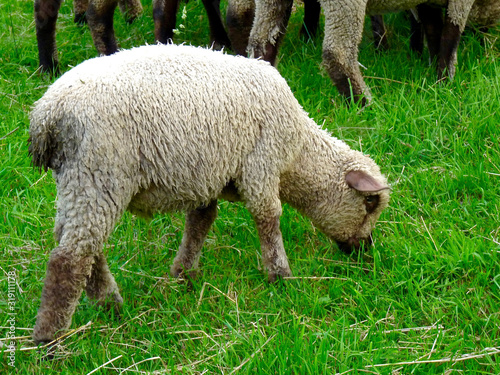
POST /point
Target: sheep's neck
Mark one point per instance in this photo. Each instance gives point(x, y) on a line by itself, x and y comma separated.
point(303, 186)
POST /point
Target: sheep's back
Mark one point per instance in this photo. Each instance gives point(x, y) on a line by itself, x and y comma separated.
point(180, 118)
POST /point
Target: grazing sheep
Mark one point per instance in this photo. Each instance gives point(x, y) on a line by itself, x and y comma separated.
point(428, 21)
point(100, 19)
point(343, 31)
point(240, 15)
point(46, 12)
point(163, 128)
point(99, 15)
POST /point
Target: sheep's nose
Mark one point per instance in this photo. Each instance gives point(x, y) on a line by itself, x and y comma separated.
point(354, 244)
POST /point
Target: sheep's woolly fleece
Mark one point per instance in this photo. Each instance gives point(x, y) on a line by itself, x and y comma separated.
point(183, 119)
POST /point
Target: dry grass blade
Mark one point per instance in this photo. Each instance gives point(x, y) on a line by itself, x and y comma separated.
point(237, 368)
point(403, 330)
point(429, 233)
point(9, 133)
point(128, 322)
point(217, 289)
point(464, 357)
point(60, 339)
point(14, 338)
point(198, 332)
point(104, 364)
point(135, 364)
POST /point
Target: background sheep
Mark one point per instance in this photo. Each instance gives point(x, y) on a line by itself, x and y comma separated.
point(46, 12)
point(222, 126)
point(344, 22)
point(428, 21)
point(99, 14)
point(100, 19)
point(240, 15)
point(165, 11)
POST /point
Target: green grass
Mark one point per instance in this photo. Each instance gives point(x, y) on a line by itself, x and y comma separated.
point(428, 291)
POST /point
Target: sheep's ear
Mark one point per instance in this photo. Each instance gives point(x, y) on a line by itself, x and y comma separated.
point(363, 182)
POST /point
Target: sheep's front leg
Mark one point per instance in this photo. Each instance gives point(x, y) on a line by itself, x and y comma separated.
point(46, 12)
point(448, 49)
point(198, 223)
point(271, 244)
point(100, 20)
point(343, 32)
point(218, 35)
point(457, 13)
point(269, 26)
point(101, 285)
point(379, 32)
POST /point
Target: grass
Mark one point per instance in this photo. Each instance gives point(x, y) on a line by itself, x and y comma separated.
point(423, 300)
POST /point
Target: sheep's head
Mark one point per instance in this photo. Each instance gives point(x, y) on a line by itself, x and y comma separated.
point(348, 209)
point(374, 195)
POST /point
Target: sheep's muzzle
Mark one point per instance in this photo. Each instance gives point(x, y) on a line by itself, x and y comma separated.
point(354, 244)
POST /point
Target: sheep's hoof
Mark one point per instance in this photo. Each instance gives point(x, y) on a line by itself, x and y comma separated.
point(185, 277)
point(113, 302)
point(180, 272)
point(278, 277)
point(130, 19)
point(80, 19)
point(132, 14)
point(51, 350)
point(49, 68)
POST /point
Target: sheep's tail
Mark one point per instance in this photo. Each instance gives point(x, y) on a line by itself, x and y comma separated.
point(42, 143)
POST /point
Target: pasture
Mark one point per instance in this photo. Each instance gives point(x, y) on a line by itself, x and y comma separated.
point(424, 299)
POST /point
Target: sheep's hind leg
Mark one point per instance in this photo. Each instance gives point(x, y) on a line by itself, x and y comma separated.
point(87, 211)
point(65, 279)
point(312, 11)
point(100, 20)
point(198, 223)
point(101, 285)
point(130, 9)
point(431, 25)
point(46, 12)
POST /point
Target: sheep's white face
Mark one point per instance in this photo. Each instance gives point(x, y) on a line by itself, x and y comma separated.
point(348, 216)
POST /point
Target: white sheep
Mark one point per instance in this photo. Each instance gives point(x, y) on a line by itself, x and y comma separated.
point(163, 128)
point(344, 20)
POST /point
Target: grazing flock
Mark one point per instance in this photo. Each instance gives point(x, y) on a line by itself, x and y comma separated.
point(221, 127)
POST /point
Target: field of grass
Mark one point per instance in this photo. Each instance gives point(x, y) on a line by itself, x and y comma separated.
point(425, 299)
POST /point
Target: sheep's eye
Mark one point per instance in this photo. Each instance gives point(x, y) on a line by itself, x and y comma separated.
point(371, 203)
